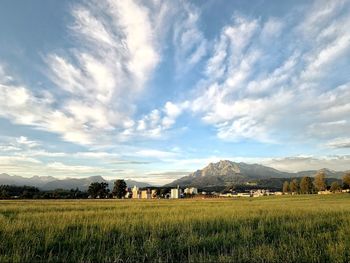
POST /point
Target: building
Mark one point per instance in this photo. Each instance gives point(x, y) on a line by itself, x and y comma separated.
point(260, 192)
point(243, 195)
point(143, 194)
point(175, 193)
point(191, 191)
point(326, 192)
point(136, 193)
point(128, 194)
point(229, 194)
point(154, 194)
point(148, 194)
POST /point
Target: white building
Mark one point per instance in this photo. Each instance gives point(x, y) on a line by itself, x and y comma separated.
point(326, 192)
point(259, 192)
point(227, 195)
point(136, 193)
point(191, 191)
point(175, 193)
point(243, 195)
point(148, 194)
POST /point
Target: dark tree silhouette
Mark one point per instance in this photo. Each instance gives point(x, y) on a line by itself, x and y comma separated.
point(306, 186)
point(346, 181)
point(119, 189)
point(320, 181)
point(98, 190)
point(335, 187)
point(294, 186)
point(286, 187)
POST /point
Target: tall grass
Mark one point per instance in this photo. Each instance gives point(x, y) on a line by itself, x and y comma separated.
point(272, 229)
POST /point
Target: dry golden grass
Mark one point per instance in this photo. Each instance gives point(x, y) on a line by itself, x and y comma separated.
point(306, 228)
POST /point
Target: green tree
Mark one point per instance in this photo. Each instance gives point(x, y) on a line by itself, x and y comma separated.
point(306, 186)
point(98, 190)
point(119, 189)
point(286, 187)
point(335, 187)
point(320, 181)
point(346, 181)
point(4, 193)
point(294, 186)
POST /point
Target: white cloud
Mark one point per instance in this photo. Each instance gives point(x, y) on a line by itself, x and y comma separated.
point(115, 53)
point(107, 73)
point(230, 46)
point(150, 153)
point(303, 163)
point(27, 167)
point(318, 18)
point(157, 122)
point(76, 169)
point(253, 92)
point(17, 144)
point(271, 29)
point(189, 41)
point(339, 143)
point(22, 140)
point(17, 160)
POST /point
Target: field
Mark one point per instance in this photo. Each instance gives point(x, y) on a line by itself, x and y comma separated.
point(306, 228)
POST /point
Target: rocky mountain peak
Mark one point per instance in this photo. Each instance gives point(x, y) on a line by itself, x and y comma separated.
point(221, 167)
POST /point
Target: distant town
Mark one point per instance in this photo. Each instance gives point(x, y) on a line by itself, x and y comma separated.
point(193, 192)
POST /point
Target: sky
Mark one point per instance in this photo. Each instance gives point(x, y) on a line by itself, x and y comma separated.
point(153, 90)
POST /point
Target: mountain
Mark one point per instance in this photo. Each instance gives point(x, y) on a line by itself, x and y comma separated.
point(37, 181)
point(51, 183)
point(226, 173)
point(69, 183)
point(329, 173)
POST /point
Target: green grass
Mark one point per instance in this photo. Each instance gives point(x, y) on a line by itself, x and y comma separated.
point(272, 229)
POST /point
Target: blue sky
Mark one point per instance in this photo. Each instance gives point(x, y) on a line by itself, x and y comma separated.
point(152, 90)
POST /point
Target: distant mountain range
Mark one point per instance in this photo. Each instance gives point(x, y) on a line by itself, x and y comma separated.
point(51, 183)
point(220, 174)
point(225, 173)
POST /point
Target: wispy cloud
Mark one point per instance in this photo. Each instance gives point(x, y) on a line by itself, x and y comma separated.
point(114, 55)
point(339, 143)
point(158, 154)
point(302, 163)
point(191, 45)
point(288, 95)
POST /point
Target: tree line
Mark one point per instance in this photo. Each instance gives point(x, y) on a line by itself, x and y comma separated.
point(319, 183)
point(101, 190)
point(95, 190)
point(30, 192)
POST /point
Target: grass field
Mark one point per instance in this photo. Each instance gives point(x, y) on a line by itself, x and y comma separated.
point(272, 229)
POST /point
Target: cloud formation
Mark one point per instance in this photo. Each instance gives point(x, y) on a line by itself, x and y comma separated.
point(253, 92)
point(114, 54)
point(163, 84)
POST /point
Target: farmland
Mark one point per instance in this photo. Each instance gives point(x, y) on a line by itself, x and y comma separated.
point(300, 228)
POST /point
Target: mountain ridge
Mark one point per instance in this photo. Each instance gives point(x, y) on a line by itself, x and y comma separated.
point(221, 173)
point(226, 172)
point(52, 183)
